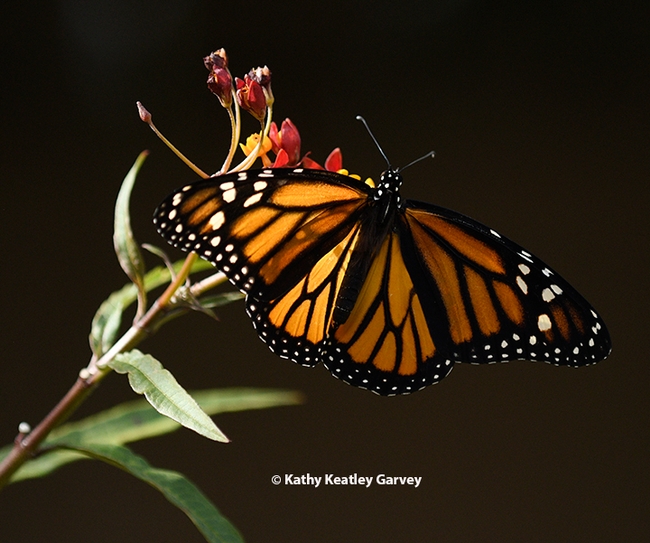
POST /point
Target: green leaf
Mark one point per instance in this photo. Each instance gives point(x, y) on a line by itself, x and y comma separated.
point(126, 248)
point(107, 320)
point(217, 300)
point(43, 464)
point(147, 376)
point(174, 486)
point(136, 420)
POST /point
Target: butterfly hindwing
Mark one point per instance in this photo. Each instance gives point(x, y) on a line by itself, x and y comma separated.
point(295, 324)
point(386, 344)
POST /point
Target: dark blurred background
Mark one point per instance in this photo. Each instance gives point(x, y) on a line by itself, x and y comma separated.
point(539, 114)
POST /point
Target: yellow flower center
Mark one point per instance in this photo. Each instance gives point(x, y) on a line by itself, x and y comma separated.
point(368, 181)
point(251, 143)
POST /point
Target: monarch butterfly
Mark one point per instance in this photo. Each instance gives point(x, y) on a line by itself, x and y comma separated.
point(388, 293)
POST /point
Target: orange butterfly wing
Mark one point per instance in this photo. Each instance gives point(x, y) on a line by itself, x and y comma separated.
point(387, 296)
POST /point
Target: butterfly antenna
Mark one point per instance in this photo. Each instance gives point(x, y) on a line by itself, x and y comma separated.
point(431, 154)
point(360, 118)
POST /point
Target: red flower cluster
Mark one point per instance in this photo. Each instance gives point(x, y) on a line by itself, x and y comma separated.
point(285, 144)
point(253, 94)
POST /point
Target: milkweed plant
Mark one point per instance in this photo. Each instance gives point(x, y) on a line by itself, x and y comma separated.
point(186, 286)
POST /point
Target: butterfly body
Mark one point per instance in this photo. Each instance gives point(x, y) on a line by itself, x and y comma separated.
point(388, 293)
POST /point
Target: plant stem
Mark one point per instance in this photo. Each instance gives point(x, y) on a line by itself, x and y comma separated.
point(250, 159)
point(235, 130)
point(25, 447)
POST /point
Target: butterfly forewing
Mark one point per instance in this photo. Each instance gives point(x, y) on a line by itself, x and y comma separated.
point(265, 230)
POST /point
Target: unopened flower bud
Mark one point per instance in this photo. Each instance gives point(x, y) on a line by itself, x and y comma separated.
point(334, 162)
point(219, 80)
point(287, 139)
point(250, 97)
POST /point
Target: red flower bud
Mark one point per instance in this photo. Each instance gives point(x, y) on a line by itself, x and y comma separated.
point(282, 159)
point(311, 164)
point(334, 162)
point(251, 97)
point(287, 140)
point(290, 138)
point(274, 136)
point(263, 77)
point(219, 80)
